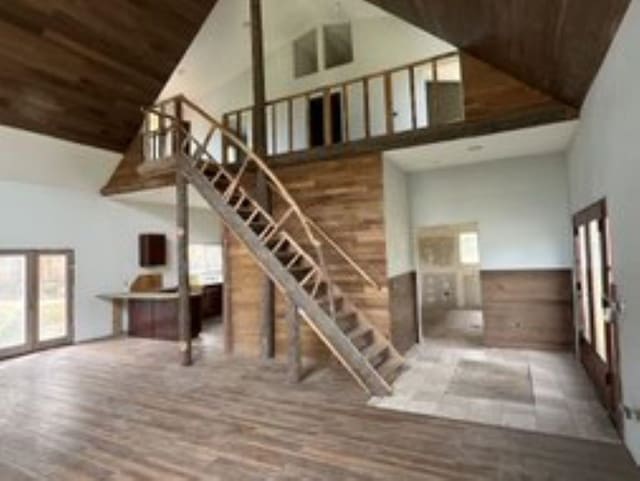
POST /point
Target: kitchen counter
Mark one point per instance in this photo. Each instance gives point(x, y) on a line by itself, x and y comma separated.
point(153, 315)
point(146, 296)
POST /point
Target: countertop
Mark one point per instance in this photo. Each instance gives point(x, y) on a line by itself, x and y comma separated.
point(145, 296)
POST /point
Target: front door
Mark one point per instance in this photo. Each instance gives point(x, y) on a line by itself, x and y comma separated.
point(596, 299)
point(35, 300)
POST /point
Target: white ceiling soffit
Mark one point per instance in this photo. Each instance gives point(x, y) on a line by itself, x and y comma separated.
point(535, 141)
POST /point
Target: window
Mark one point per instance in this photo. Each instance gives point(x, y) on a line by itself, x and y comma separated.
point(305, 54)
point(338, 45)
point(469, 254)
point(205, 263)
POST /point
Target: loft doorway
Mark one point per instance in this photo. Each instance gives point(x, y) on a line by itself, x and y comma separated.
point(325, 124)
point(449, 284)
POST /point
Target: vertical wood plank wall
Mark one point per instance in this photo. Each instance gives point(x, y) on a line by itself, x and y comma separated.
point(528, 308)
point(345, 197)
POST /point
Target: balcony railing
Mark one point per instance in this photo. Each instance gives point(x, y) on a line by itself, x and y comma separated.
point(413, 96)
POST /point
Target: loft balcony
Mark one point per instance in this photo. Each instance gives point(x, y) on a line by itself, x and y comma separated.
point(436, 99)
point(441, 98)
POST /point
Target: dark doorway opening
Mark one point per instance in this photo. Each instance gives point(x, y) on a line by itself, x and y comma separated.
point(323, 130)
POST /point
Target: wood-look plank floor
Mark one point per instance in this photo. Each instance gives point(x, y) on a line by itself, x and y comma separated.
point(125, 410)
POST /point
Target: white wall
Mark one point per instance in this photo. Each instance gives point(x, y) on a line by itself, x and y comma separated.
point(521, 206)
point(49, 198)
point(397, 215)
point(216, 73)
point(605, 162)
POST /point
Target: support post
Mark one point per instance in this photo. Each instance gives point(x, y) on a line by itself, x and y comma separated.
point(267, 334)
point(182, 221)
point(294, 356)
point(227, 313)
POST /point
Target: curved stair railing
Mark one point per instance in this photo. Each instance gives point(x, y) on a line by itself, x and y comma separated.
point(169, 144)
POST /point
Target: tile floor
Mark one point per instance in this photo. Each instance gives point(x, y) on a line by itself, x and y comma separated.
point(563, 400)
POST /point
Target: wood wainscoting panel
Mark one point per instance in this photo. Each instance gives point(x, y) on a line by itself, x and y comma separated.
point(345, 198)
point(528, 308)
point(404, 317)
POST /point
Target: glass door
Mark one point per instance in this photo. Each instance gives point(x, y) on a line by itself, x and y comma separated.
point(595, 295)
point(35, 300)
point(14, 304)
point(54, 320)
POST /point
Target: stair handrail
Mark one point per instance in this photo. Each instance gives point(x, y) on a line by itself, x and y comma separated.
point(262, 165)
point(345, 255)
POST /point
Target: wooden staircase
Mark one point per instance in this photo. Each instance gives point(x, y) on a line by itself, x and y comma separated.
point(289, 247)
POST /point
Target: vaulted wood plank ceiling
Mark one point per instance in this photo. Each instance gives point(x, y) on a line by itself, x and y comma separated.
point(556, 46)
point(82, 69)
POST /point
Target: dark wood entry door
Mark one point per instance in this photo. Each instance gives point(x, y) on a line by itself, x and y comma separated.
point(596, 294)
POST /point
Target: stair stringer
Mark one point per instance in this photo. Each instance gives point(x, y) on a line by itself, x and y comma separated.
point(318, 320)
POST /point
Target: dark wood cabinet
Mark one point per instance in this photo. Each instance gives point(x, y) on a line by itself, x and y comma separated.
point(152, 250)
point(158, 318)
point(212, 300)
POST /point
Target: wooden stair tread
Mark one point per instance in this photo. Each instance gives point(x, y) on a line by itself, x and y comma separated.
point(391, 369)
point(360, 331)
point(374, 350)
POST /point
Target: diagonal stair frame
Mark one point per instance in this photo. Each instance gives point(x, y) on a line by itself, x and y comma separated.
point(299, 272)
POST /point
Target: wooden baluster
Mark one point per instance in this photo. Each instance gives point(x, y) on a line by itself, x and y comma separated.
point(328, 118)
point(224, 143)
point(178, 136)
point(412, 97)
point(308, 109)
point(290, 118)
point(294, 354)
point(234, 184)
point(367, 108)
point(345, 112)
point(293, 261)
point(388, 102)
point(145, 138)
point(274, 130)
point(434, 111)
point(163, 132)
point(280, 223)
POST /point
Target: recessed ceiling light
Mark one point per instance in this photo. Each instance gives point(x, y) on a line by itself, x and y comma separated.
point(475, 148)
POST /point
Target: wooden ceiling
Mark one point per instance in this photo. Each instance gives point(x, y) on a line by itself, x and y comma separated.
point(82, 69)
point(556, 46)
